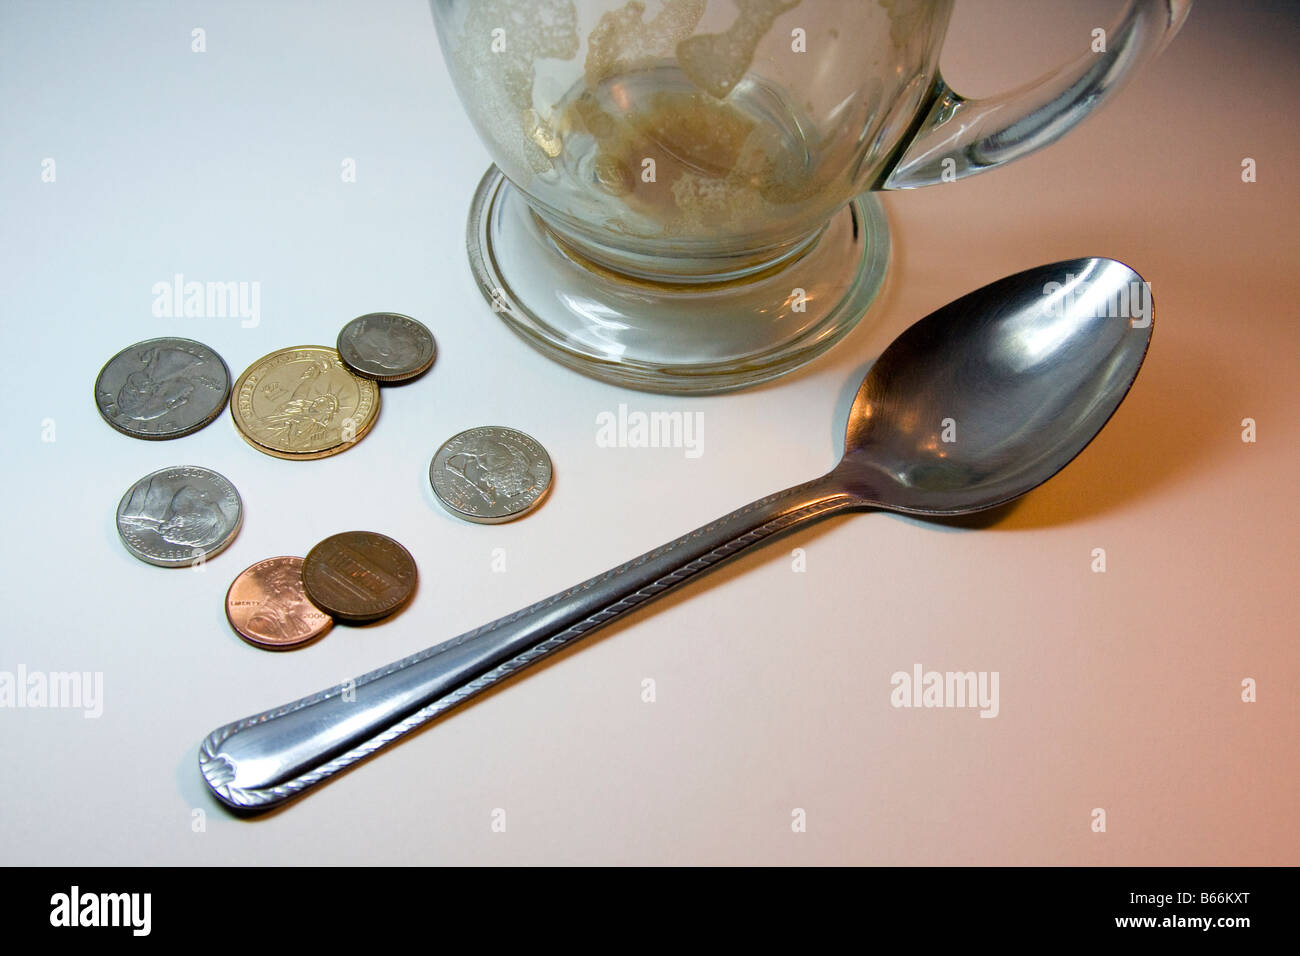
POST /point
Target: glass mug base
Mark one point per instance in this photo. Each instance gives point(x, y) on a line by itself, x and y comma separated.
point(688, 338)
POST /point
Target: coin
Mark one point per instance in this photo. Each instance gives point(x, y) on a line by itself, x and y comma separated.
point(490, 474)
point(359, 576)
point(162, 388)
point(179, 516)
point(267, 606)
point(387, 347)
point(303, 403)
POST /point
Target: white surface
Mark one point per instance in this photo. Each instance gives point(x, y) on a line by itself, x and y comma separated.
point(1118, 690)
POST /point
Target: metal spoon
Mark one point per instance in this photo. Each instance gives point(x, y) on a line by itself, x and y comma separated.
point(972, 406)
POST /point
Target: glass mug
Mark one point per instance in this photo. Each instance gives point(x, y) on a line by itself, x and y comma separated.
point(681, 193)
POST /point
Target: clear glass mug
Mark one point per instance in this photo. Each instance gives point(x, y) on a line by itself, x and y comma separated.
point(681, 196)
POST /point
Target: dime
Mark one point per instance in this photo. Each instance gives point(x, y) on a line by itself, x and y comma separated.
point(162, 388)
point(179, 516)
point(490, 474)
point(267, 606)
point(387, 347)
point(359, 576)
point(303, 403)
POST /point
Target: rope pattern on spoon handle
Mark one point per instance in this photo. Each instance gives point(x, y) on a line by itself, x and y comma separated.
point(814, 499)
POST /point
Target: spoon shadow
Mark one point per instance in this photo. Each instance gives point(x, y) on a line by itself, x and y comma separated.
point(1157, 438)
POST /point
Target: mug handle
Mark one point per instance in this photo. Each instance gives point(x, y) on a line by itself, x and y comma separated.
point(959, 137)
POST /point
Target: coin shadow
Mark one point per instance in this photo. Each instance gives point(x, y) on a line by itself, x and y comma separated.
point(112, 538)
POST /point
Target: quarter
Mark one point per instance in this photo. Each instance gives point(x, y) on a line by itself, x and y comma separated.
point(162, 388)
point(179, 516)
point(490, 474)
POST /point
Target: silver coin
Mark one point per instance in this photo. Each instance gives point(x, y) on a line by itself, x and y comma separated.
point(179, 516)
point(490, 474)
point(387, 347)
point(162, 388)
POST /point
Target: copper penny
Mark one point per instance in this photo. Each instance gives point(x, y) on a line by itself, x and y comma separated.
point(359, 576)
point(267, 606)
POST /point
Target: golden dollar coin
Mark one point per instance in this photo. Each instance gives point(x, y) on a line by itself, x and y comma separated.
point(303, 402)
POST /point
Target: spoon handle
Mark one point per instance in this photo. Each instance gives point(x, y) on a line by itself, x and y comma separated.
point(270, 757)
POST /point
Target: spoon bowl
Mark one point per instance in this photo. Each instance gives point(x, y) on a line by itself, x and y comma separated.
point(991, 395)
point(974, 405)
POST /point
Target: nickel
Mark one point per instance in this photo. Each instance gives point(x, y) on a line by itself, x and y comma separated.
point(179, 516)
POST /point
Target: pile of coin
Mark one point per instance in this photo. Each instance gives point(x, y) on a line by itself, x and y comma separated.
point(305, 402)
point(354, 577)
